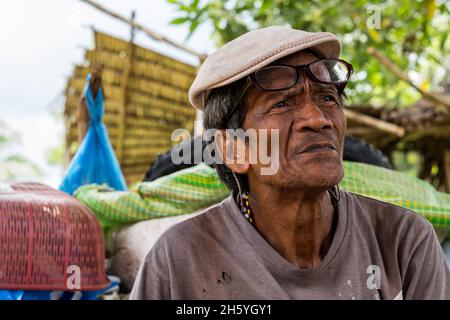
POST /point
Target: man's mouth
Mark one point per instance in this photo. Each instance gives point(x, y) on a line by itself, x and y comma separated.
point(318, 147)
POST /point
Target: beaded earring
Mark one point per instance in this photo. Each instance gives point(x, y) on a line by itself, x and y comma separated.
point(245, 207)
point(243, 197)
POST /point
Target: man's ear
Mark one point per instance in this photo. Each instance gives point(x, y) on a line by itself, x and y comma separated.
point(233, 151)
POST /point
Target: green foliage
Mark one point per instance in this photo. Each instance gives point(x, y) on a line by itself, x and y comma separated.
point(55, 156)
point(413, 34)
point(3, 140)
point(14, 166)
point(408, 162)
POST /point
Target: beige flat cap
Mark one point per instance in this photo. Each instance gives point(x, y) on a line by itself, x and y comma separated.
point(252, 51)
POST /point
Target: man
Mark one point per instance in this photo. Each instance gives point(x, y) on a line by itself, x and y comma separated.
point(291, 234)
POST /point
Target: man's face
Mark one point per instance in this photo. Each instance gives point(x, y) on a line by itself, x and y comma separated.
point(311, 126)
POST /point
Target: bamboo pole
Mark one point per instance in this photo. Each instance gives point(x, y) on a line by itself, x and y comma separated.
point(142, 28)
point(375, 123)
point(124, 93)
point(430, 96)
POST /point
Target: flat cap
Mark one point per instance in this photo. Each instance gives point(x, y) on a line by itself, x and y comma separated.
point(252, 51)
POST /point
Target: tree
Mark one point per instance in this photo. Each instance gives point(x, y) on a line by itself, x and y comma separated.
point(413, 34)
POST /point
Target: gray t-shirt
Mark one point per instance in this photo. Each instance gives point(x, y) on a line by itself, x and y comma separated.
point(379, 251)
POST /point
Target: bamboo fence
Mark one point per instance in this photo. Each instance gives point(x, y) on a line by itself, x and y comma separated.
point(146, 99)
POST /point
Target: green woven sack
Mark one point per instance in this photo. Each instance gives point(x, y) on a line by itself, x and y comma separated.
point(398, 188)
point(198, 187)
point(182, 192)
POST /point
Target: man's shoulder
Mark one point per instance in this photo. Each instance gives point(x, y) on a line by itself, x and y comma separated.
point(385, 216)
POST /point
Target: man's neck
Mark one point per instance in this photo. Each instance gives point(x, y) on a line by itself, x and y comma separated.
point(297, 224)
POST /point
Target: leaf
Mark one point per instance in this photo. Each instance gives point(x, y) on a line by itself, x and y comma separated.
point(374, 35)
point(431, 6)
point(425, 85)
point(179, 20)
point(192, 27)
point(267, 5)
point(443, 40)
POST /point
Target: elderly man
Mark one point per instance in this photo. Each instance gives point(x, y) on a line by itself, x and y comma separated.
point(291, 234)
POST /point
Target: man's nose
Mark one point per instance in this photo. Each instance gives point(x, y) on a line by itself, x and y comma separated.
point(309, 117)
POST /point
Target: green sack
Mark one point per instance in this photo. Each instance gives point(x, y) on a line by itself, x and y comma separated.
point(398, 188)
point(181, 192)
point(198, 187)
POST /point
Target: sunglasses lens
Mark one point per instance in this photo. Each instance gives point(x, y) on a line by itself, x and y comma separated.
point(332, 71)
point(276, 77)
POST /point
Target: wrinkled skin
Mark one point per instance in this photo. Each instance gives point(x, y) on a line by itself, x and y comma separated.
point(312, 115)
point(292, 208)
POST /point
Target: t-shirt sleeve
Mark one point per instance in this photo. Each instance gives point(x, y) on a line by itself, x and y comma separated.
point(427, 274)
point(152, 281)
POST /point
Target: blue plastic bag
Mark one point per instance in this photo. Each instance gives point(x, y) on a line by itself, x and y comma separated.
point(59, 295)
point(94, 161)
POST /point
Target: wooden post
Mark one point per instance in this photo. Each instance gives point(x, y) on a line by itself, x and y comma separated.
point(140, 27)
point(375, 123)
point(124, 94)
point(446, 169)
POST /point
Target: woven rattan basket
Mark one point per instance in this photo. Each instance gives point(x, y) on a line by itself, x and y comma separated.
point(48, 241)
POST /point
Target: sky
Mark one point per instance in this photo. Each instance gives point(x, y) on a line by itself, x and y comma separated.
point(42, 40)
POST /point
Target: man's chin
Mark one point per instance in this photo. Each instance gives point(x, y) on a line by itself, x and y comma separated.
point(320, 177)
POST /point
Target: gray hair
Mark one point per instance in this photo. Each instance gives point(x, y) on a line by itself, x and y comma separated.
point(216, 115)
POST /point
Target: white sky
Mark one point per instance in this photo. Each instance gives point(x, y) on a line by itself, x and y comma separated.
point(40, 44)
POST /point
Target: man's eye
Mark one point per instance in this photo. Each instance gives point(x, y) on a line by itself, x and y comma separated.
point(329, 98)
point(279, 104)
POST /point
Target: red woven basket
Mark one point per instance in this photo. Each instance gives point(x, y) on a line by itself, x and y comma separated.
point(46, 239)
